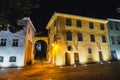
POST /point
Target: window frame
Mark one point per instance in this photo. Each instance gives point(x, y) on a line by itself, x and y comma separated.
point(91, 25)
point(92, 37)
point(90, 50)
point(69, 36)
point(15, 42)
point(112, 40)
point(78, 23)
point(102, 27)
point(3, 42)
point(80, 37)
point(13, 60)
point(68, 22)
point(104, 39)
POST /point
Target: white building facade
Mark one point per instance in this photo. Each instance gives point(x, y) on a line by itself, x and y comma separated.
point(13, 45)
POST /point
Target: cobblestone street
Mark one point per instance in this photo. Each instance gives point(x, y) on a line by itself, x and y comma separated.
point(106, 71)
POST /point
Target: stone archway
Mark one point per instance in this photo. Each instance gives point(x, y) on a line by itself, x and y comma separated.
point(40, 50)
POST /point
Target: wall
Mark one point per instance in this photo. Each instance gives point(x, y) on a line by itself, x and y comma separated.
point(9, 50)
point(115, 33)
point(29, 45)
point(58, 54)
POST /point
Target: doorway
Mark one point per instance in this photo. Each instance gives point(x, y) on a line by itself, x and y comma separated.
point(100, 56)
point(67, 58)
point(76, 57)
point(114, 55)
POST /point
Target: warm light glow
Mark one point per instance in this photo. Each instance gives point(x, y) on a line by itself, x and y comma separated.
point(53, 45)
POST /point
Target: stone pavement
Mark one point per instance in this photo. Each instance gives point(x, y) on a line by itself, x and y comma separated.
point(38, 71)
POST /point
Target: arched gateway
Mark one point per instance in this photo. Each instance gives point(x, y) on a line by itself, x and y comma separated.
point(40, 49)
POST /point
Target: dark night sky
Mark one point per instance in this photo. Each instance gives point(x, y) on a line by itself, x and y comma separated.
point(102, 9)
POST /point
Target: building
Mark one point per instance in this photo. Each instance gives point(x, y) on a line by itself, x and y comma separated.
point(76, 39)
point(17, 44)
point(114, 38)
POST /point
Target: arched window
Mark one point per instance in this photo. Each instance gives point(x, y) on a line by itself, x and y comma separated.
point(69, 36)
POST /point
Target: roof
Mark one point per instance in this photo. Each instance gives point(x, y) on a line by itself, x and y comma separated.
point(55, 15)
point(28, 19)
point(111, 19)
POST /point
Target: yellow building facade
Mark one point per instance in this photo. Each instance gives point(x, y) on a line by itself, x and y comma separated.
point(76, 39)
point(29, 43)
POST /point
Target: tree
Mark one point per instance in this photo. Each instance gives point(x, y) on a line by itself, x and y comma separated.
point(12, 10)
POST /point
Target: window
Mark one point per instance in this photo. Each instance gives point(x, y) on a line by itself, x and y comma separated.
point(69, 48)
point(91, 25)
point(80, 37)
point(103, 39)
point(68, 22)
point(79, 24)
point(102, 27)
point(118, 40)
point(1, 59)
point(117, 26)
point(15, 42)
point(69, 36)
point(110, 26)
point(92, 37)
point(113, 39)
point(55, 37)
point(12, 59)
point(89, 50)
point(3, 42)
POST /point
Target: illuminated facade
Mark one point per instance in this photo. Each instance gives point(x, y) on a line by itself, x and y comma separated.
point(76, 39)
point(16, 48)
point(114, 38)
